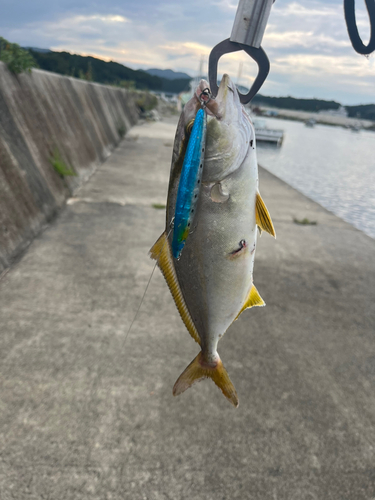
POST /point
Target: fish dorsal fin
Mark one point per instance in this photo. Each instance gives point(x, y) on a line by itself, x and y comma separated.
point(253, 299)
point(161, 252)
point(262, 216)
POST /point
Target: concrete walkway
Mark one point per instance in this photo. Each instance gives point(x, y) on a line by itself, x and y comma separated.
point(85, 416)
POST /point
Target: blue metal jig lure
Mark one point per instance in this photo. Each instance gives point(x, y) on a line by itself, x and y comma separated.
point(190, 183)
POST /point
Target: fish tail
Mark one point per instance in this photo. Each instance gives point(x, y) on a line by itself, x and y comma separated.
point(198, 370)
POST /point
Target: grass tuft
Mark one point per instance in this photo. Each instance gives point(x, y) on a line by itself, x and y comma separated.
point(60, 166)
point(121, 131)
point(305, 222)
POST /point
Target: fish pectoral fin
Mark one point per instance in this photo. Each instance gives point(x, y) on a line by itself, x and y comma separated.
point(198, 370)
point(253, 299)
point(262, 216)
point(161, 252)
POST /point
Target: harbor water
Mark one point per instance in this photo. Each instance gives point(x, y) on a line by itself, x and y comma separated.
point(331, 165)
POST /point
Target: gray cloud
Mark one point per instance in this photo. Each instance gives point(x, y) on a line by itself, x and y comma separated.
point(306, 40)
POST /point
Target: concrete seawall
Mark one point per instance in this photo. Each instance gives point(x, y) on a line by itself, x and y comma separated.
point(87, 411)
point(44, 115)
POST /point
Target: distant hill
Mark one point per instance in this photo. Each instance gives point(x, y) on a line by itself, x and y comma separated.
point(312, 105)
point(365, 111)
point(112, 73)
point(169, 74)
point(36, 49)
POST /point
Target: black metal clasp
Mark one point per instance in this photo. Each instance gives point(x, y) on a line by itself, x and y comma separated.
point(351, 23)
point(258, 55)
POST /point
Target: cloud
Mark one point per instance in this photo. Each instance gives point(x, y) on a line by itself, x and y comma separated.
point(306, 41)
point(104, 19)
point(299, 10)
point(226, 5)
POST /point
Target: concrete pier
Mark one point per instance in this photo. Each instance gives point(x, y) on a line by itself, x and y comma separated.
point(86, 413)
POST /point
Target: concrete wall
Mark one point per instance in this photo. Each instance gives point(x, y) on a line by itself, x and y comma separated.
point(42, 113)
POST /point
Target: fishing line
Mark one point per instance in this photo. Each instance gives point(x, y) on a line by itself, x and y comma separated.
point(148, 284)
point(97, 378)
point(141, 302)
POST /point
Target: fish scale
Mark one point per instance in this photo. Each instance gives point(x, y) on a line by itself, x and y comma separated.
point(190, 183)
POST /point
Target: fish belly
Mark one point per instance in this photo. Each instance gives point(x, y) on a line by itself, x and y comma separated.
point(216, 266)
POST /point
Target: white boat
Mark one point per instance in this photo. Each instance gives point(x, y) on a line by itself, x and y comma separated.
point(265, 134)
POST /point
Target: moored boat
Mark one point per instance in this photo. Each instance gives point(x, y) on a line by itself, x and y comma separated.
point(265, 134)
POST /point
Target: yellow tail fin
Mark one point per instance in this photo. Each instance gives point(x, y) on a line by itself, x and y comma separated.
point(198, 370)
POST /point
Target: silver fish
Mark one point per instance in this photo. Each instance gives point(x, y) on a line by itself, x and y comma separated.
point(212, 282)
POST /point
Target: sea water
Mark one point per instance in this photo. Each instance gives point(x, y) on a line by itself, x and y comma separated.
point(331, 165)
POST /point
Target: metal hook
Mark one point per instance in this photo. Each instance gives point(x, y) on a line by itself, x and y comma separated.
point(206, 93)
point(226, 47)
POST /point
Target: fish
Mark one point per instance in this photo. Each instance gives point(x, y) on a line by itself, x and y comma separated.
point(211, 279)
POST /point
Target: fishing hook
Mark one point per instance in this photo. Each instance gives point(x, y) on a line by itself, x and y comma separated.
point(351, 24)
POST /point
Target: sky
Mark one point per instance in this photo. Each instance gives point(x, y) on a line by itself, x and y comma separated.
point(305, 40)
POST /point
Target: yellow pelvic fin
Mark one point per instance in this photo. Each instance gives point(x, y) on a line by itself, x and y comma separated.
point(198, 370)
point(262, 216)
point(161, 252)
point(253, 299)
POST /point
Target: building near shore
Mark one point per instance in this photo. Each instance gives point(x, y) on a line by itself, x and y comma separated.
point(341, 112)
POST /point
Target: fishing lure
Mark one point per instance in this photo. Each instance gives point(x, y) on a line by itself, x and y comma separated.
point(190, 183)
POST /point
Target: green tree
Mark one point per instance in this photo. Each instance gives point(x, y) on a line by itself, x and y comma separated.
point(17, 59)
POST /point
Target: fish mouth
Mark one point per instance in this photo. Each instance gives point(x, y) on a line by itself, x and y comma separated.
point(211, 105)
point(228, 130)
point(226, 105)
point(228, 100)
point(226, 85)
